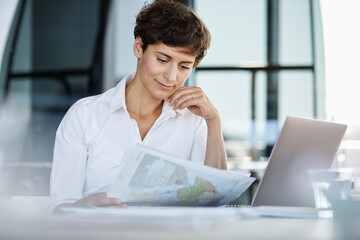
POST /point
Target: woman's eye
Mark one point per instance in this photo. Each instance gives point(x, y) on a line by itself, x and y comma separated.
point(161, 60)
point(184, 67)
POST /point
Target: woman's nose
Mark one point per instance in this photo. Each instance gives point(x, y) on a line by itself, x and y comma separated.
point(171, 72)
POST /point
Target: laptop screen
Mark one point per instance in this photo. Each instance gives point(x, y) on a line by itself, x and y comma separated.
point(302, 144)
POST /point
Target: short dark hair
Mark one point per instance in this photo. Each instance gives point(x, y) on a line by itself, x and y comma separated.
point(173, 24)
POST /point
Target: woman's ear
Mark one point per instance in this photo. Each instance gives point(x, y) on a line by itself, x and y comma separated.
point(138, 51)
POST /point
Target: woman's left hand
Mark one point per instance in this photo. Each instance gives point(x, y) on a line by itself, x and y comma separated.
point(195, 100)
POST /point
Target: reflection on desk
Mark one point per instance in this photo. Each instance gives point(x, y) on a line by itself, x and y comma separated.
point(175, 223)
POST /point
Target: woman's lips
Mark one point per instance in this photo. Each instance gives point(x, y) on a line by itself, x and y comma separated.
point(163, 86)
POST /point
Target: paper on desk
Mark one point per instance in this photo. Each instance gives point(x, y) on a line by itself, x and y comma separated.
point(151, 178)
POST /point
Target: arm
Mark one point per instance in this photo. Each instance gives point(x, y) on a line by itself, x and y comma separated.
point(197, 102)
point(68, 171)
point(68, 174)
point(215, 149)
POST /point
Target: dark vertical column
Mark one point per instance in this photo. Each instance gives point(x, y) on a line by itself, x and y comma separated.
point(313, 55)
point(96, 74)
point(253, 95)
point(272, 57)
point(273, 60)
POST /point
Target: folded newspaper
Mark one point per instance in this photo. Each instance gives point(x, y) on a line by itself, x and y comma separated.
point(149, 177)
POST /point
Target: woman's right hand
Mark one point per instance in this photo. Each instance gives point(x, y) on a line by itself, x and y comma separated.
point(93, 200)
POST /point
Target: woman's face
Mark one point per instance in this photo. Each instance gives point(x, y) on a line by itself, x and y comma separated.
point(162, 69)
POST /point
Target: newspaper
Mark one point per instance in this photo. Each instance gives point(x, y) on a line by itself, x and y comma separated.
point(149, 177)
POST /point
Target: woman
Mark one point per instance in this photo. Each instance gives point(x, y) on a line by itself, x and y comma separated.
point(150, 106)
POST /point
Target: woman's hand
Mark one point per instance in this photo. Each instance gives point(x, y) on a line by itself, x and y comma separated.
point(94, 200)
point(195, 100)
point(99, 200)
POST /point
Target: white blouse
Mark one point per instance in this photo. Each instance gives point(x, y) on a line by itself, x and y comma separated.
point(96, 132)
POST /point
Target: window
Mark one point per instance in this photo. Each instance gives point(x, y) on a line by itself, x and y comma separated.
point(261, 66)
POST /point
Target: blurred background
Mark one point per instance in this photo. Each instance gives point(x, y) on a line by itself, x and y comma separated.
point(268, 59)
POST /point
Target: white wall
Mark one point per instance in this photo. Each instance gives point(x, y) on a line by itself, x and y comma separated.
point(342, 53)
point(120, 60)
point(7, 10)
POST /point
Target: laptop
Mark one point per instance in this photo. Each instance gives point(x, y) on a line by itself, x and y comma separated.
point(302, 144)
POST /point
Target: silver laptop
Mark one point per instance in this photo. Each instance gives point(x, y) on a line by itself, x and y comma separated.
point(302, 144)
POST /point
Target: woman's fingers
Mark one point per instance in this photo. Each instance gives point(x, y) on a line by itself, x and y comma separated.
point(187, 100)
point(99, 200)
point(184, 93)
point(194, 99)
point(104, 201)
point(185, 103)
point(123, 205)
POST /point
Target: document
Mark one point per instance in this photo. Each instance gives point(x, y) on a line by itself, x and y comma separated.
point(149, 177)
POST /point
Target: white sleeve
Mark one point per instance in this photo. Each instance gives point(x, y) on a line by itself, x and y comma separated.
point(69, 162)
point(198, 150)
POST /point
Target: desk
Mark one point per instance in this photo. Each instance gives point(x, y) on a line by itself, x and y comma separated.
point(175, 227)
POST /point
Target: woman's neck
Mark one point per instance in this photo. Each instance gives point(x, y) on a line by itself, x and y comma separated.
point(142, 106)
point(140, 102)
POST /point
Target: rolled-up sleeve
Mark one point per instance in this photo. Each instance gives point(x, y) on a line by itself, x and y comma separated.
point(69, 162)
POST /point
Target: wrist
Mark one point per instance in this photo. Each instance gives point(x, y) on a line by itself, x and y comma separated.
point(214, 121)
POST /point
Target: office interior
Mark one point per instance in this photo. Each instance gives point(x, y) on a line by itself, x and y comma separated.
point(268, 59)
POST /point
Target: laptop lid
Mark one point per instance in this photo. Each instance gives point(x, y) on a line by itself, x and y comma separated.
point(302, 144)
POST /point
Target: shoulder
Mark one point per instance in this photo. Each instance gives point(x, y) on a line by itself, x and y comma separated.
point(90, 109)
point(87, 115)
point(107, 101)
point(93, 105)
point(101, 100)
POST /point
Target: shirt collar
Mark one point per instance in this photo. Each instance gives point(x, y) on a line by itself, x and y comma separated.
point(118, 99)
point(167, 110)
